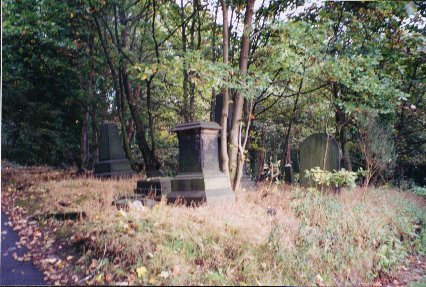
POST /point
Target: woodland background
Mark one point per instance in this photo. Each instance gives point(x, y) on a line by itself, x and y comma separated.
point(290, 68)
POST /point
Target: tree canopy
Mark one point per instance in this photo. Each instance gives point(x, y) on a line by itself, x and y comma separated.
point(290, 68)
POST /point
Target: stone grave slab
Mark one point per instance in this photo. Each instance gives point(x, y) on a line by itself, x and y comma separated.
point(112, 160)
point(288, 174)
point(313, 151)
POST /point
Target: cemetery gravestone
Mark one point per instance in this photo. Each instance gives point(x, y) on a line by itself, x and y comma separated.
point(316, 150)
point(288, 174)
point(112, 160)
point(199, 177)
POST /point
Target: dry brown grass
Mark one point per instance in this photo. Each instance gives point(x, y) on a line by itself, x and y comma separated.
point(312, 238)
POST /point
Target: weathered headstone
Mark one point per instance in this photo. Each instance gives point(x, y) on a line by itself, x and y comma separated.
point(315, 151)
point(199, 177)
point(288, 174)
point(112, 160)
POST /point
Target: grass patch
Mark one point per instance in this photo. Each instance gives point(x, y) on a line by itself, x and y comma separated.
point(314, 238)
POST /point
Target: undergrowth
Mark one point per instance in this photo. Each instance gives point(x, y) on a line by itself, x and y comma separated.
point(312, 238)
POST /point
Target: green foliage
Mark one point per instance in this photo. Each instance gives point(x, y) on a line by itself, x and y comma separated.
point(57, 67)
point(419, 190)
point(332, 233)
point(40, 119)
point(376, 145)
point(341, 178)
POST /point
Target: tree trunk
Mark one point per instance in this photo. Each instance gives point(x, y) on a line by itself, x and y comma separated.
point(185, 108)
point(239, 99)
point(225, 107)
point(95, 134)
point(117, 85)
point(191, 111)
point(341, 131)
point(151, 163)
point(150, 118)
point(120, 107)
point(84, 143)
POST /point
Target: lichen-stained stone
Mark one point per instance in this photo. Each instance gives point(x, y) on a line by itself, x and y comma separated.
point(313, 151)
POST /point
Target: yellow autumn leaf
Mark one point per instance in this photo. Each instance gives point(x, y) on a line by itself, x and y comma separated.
point(99, 278)
point(144, 76)
point(122, 213)
point(141, 271)
point(152, 281)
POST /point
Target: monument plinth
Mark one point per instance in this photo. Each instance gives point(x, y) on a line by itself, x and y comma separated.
point(112, 160)
point(199, 177)
point(153, 187)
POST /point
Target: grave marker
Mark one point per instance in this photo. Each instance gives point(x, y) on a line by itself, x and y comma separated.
point(112, 160)
point(316, 150)
point(199, 177)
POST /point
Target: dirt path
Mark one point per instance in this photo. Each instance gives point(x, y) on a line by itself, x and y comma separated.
point(30, 253)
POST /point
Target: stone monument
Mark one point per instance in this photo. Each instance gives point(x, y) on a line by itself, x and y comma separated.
point(316, 150)
point(288, 174)
point(112, 161)
point(199, 177)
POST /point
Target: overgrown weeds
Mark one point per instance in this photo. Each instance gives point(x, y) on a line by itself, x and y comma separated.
point(311, 238)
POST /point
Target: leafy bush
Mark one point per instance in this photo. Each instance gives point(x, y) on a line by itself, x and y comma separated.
point(335, 179)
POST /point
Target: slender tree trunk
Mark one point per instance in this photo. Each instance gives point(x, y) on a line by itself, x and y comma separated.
point(342, 132)
point(120, 107)
point(151, 163)
point(242, 147)
point(185, 83)
point(150, 117)
point(225, 107)
point(95, 135)
point(213, 98)
point(286, 150)
point(84, 143)
point(129, 130)
point(192, 46)
point(260, 156)
point(239, 99)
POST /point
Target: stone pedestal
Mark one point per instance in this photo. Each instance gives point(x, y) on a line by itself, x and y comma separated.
point(112, 161)
point(199, 177)
point(154, 187)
